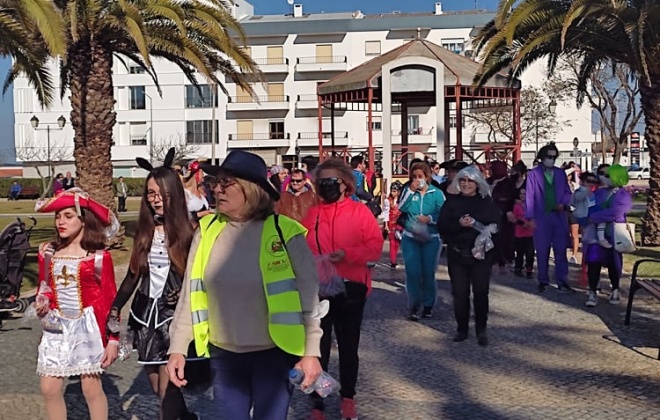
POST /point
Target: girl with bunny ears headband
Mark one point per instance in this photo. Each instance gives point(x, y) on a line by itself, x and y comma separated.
point(155, 275)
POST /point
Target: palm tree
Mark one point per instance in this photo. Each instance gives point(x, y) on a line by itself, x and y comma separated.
point(31, 32)
point(199, 36)
point(597, 33)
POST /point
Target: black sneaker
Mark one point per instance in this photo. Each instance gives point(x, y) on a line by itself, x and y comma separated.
point(393, 266)
point(482, 339)
point(8, 306)
point(427, 312)
point(542, 287)
point(413, 317)
point(460, 336)
point(565, 289)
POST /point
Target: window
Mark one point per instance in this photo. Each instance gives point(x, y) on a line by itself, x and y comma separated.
point(275, 55)
point(324, 53)
point(413, 124)
point(138, 132)
point(372, 48)
point(376, 123)
point(275, 92)
point(276, 130)
point(452, 121)
point(196, 100)
point(135, 69)
point(199, 132)
point(456, 45)
point(137, 97)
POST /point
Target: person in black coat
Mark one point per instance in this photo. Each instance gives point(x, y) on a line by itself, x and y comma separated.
point(458, 225)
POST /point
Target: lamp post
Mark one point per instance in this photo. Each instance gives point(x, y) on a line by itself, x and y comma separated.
point(552, 107)
point(34, 121)
point(151, 129)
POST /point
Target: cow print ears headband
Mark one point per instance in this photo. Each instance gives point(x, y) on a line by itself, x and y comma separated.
point(167, 163)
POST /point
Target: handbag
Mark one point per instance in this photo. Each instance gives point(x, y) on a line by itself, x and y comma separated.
point(624, 237)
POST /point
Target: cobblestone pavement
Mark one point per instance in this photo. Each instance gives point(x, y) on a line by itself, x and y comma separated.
point(549, 358)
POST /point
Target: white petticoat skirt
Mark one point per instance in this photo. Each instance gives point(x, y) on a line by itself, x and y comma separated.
point(70, 346)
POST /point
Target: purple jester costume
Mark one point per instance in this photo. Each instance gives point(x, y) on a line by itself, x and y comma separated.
point(612, 204)
point(547, 188)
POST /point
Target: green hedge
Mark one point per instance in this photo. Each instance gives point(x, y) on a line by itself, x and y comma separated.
point(6, 183)
point(135, 185)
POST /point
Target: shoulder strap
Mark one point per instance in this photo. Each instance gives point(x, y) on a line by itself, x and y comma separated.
point(276, 218)
point(98, 265)
point(48, 255)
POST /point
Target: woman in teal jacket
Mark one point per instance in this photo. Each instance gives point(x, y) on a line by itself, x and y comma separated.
point(421, 203)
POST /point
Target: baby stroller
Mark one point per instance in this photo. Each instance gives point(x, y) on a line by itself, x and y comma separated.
point(14, 246)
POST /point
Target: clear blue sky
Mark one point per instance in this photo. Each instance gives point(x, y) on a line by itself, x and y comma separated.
point(272, 7)
point(264, 7)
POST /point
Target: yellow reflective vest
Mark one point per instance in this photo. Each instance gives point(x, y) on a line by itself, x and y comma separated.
point(285, 320)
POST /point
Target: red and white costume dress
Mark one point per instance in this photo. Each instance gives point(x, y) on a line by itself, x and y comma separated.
point(74, 336)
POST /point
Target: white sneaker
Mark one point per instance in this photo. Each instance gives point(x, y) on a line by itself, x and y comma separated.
point(592, 300)
point(573, 260)
point(614, 297)
point(604, 243)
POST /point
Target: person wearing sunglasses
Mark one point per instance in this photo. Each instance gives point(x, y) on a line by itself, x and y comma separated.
point(298, 197)
point(347, 233)
point(249, 300)
point(548, 197)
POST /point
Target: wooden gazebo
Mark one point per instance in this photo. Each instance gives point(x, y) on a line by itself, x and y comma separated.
point(409, 76)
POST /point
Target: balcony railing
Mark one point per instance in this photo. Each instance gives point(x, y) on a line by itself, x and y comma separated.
point(421, 131)
point(271, 61)
point(322, 59)
point(259, 136)
point(326, 135)
point(312, 97)
point(262, 99)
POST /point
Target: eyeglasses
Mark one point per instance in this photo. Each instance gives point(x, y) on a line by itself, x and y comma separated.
point(297, 181)
point(223, 182)
point(151, 195)
point(329, 181)
point(466, 180)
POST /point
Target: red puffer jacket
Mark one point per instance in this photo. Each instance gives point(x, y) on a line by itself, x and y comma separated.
point(349, 226)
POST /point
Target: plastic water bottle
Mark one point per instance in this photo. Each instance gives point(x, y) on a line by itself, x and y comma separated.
point(324, 385)
point(41, 299)
point(125, 346)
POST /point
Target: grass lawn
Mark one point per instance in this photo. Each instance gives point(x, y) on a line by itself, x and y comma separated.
point(44, 231)
point(646, 270)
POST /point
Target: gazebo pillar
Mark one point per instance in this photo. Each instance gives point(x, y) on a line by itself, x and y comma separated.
point(386, 99)
point(404, 135)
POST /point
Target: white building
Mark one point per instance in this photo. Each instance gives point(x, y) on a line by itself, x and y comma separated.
point(295, 52)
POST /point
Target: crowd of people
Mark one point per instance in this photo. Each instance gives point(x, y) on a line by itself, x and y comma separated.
point(247, 272)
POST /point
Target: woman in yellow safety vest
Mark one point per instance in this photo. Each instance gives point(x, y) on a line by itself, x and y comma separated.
point(250, 296)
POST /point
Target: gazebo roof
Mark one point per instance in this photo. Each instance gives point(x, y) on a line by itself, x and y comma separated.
point(459, 70)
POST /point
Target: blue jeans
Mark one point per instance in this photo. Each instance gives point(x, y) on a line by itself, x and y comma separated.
point(258, 379)
point(421, 260)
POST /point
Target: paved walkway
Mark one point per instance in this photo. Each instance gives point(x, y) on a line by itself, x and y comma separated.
point(549, 358)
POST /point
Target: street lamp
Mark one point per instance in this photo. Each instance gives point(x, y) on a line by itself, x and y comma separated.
point(61, 121)
point(552, 107)
point(151, 129)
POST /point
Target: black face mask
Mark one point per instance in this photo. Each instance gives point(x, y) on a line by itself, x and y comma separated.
point(329, 191)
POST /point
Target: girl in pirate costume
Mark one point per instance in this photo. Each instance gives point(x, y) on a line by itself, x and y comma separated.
point(77, 287)
point(160, 251)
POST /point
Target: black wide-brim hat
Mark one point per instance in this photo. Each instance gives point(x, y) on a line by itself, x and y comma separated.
point(247, 166)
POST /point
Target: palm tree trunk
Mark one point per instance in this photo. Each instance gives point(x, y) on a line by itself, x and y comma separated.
point(93, 119)
point(650, 96)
